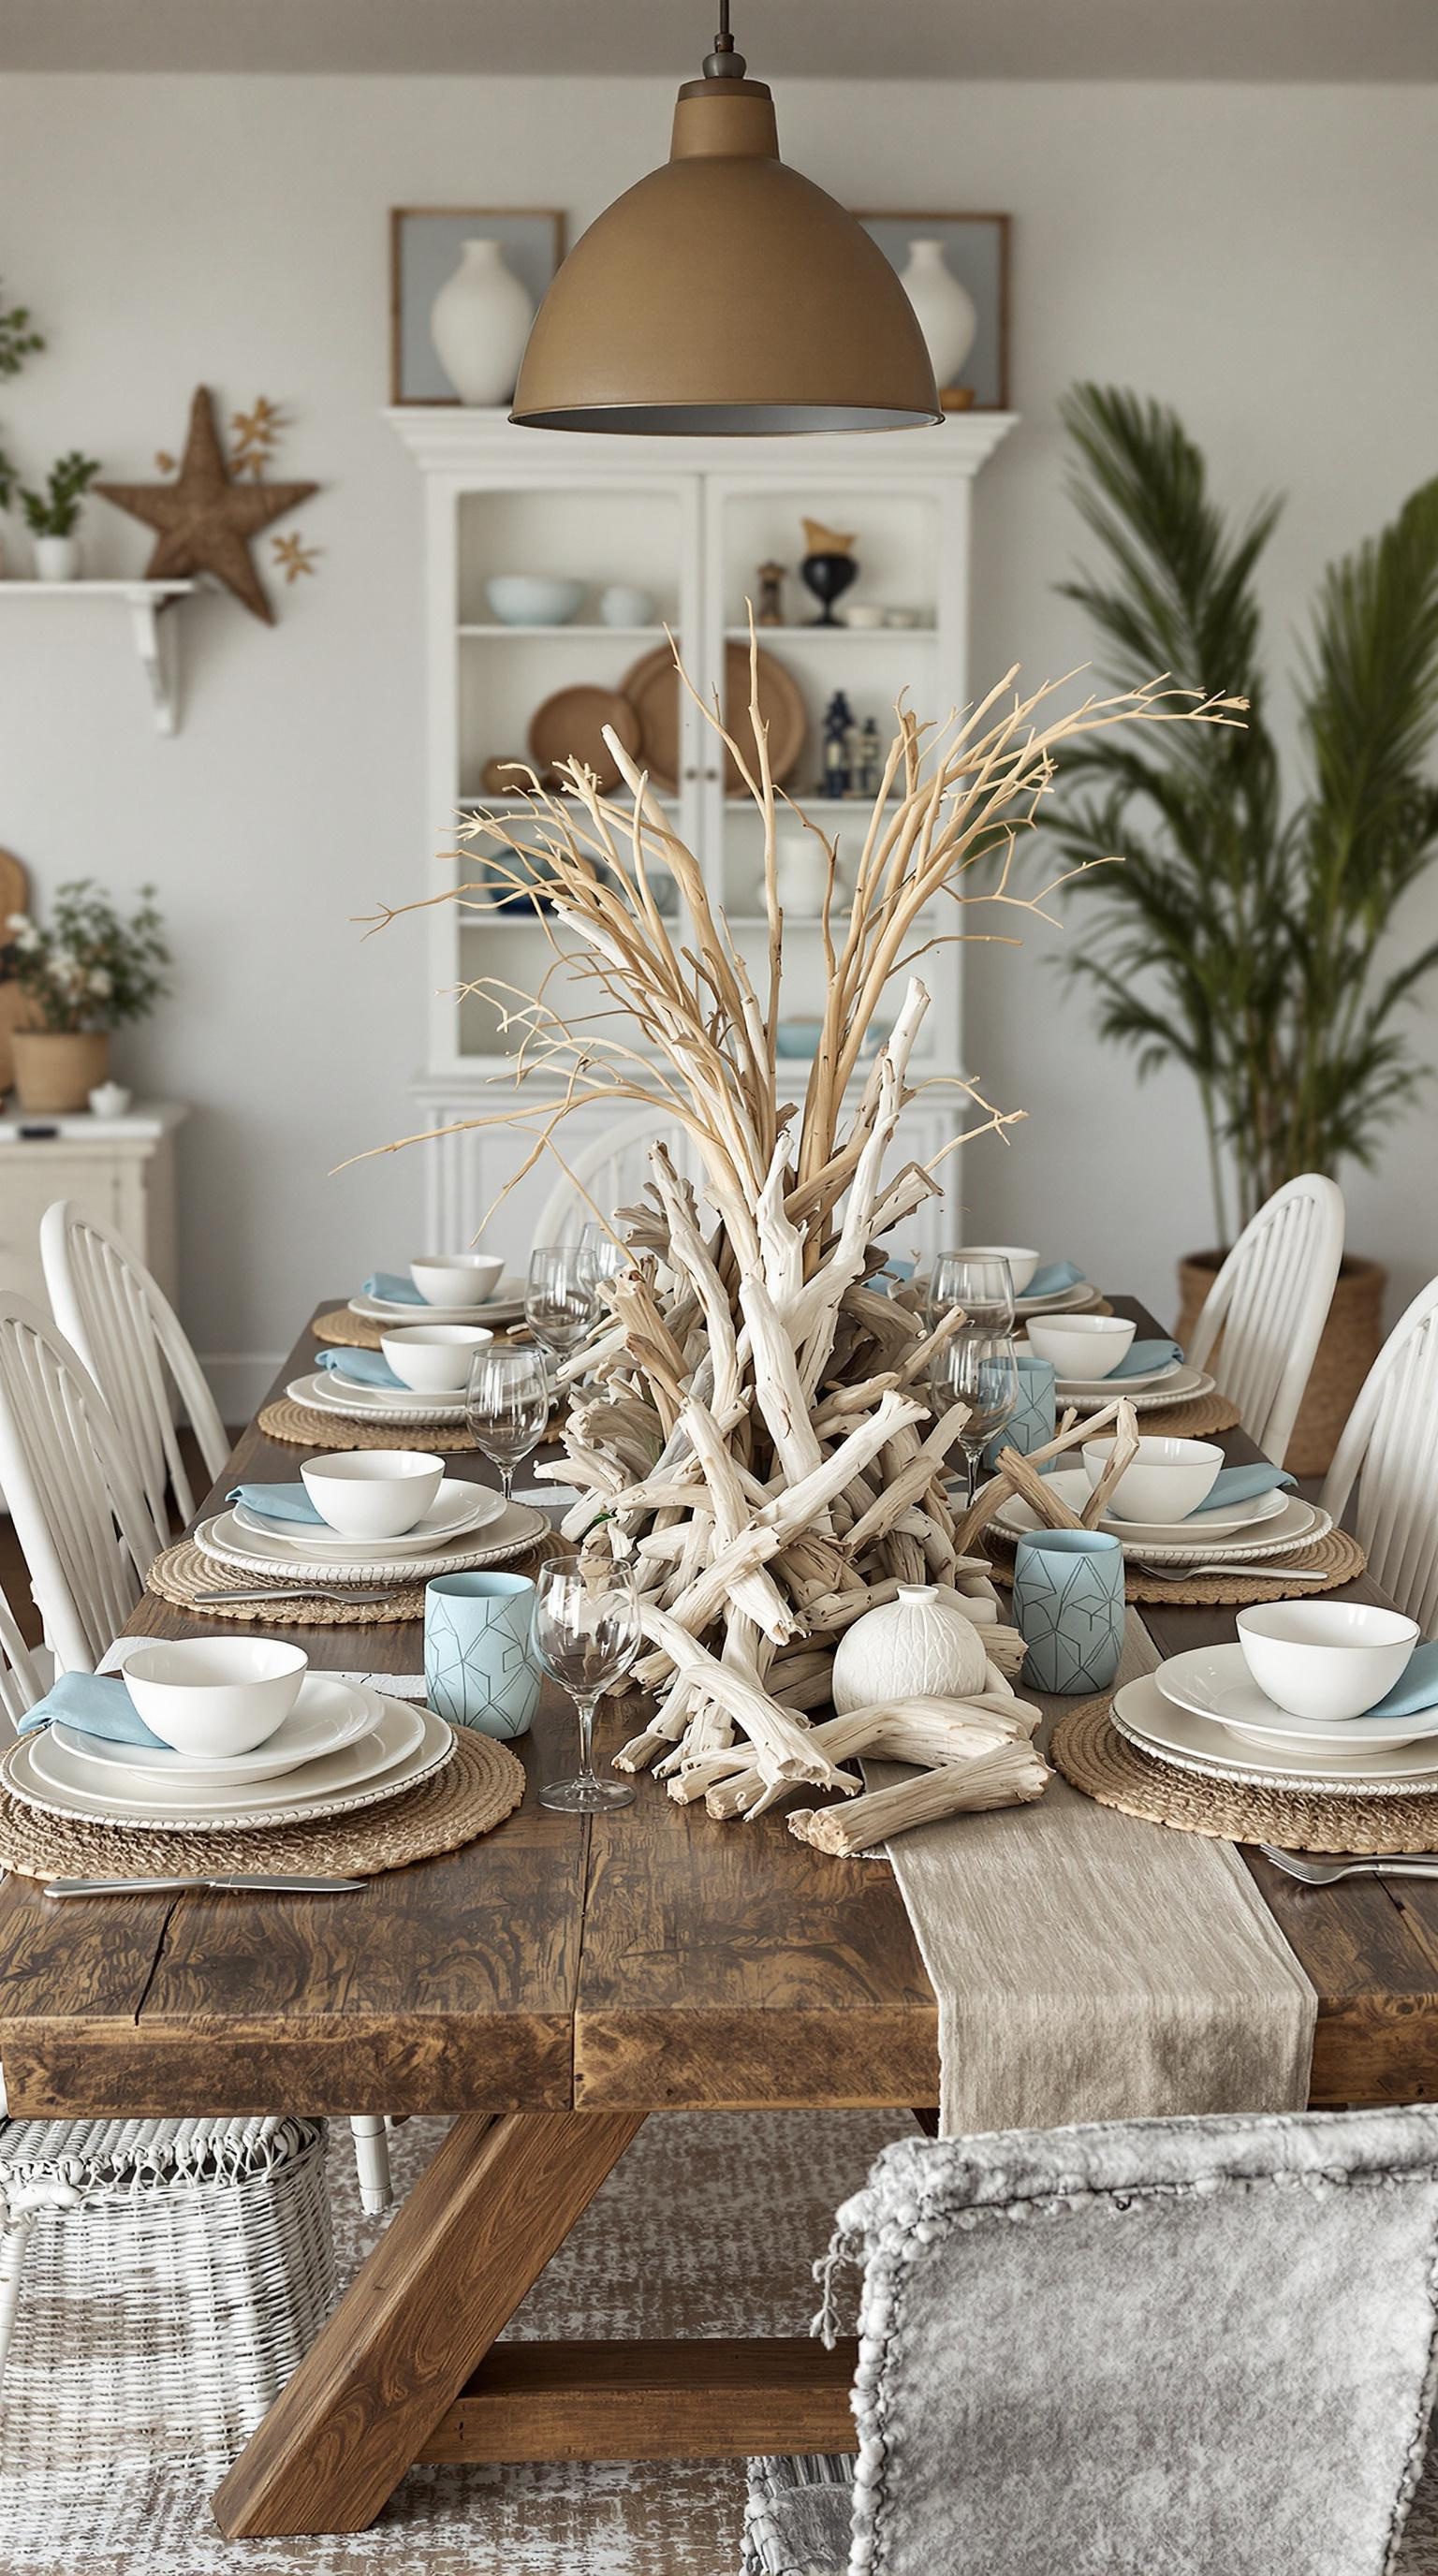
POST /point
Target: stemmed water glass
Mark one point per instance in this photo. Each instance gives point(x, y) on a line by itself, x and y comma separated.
point(507, 1405)
point(979, 1282)
point(978, 1368)
point(558, 1301)
point(585, 1633)
point(600, 1258)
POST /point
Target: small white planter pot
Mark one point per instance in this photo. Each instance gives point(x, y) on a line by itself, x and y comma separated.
point(57, 558)
point(479, 323)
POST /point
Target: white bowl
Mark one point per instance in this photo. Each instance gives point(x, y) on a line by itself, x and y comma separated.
point(533, 598)
point(434, 1358)
point(456, 1278)
point(373, 1493)
point(1328, 1659)
point(1023, 1261)
point(1080, 1345)
point(1167, 1481)
point(215, 1696)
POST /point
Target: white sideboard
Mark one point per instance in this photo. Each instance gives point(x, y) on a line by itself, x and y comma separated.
point(120, 1171)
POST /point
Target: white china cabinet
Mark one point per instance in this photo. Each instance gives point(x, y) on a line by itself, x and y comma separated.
point(688, 522)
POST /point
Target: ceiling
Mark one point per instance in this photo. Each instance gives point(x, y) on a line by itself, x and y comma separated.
point(1246, 40)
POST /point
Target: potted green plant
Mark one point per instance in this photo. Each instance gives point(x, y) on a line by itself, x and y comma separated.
point(51, 515)
point(1244, 935)
point(86, 972)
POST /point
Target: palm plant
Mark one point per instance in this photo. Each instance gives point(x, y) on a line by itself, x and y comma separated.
point(1243, 944)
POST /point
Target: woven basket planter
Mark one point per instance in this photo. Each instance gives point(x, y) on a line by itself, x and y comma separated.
point(160, 2314)
point(1350, 1345)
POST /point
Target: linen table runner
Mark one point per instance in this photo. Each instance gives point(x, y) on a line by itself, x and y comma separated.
point(1089, 1966)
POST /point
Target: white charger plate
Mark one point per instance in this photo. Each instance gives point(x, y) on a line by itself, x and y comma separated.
point(1232, 1526)
point(1067, 1301)
point(1215, 1682)
point(1108, 1387)
point(510, 1532)
point(1146, 1719)
point(322, 1393)
point(504, 1307)
point(327, 1715)
point(1185, 1385)
point(394, 1399)
point(458, 1509)
point(406, 1746)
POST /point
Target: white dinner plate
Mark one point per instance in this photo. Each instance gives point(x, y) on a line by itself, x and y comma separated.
point(1067, 1301)
point(1232, 1527)
point(512, 1529)
point(1140, 1383)
point(458, 1509)
point(322, 1393)
point(328, 1714)
point(1185, 1384)
point(504, 1307)
point(394, 1399)
point(405, 1747)
point(1215, 1682)
point(1175, 1735)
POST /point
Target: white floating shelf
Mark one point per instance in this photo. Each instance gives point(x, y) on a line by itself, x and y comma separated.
point(144, 600)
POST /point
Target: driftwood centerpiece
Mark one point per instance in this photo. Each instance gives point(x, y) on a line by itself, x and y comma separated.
point(753, 1424)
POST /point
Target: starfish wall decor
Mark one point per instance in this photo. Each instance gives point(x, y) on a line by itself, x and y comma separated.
point(205, 521)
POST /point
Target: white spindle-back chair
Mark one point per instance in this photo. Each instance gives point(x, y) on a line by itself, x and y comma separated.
point(1270, 1301)
point(132, 1342)
point(1389, 1449)
point(612, 1169)
point(20, 1682)
point(79, 1513)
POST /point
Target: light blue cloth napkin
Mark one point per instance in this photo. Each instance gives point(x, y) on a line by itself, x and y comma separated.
point(1140, 1357)
point(277, 1503)
point(1417, 1691)
point(393, 1287)
point(369, 1368)
point(1052, 1278)
point(96, 1706)
point(1242, 1485)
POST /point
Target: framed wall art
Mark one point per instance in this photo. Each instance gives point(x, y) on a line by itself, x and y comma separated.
point(972, 255)
point(428, 253)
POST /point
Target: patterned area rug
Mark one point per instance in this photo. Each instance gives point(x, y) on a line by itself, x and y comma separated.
point(708, 2226)
point(632, 2266)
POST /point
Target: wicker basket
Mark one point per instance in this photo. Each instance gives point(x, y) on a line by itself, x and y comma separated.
point(1350, 1345)
point(170, 2276)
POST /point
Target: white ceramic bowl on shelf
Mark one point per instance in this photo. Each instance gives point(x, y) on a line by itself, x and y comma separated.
point(1080, 1345)
point(373, 1493)
point(1167, 1480)
point(533, 598)
point(1022, 1259)
point(1326, 1659)
point(456, 1278)
point(434, 1358)
point(215, 1696)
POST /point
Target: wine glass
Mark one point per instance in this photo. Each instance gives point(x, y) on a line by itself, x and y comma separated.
point(585, 1633)
point(558, 1303)
point(507, 1405)
point(977, 1368)
point(600, 1258)
point(981, 1283)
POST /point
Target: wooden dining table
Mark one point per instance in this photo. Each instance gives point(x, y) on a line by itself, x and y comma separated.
point(552, 1986)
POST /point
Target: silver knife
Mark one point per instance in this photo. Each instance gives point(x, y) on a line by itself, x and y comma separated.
point(159, 1886)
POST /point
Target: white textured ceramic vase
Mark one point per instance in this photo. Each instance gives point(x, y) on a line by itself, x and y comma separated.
point(801, 873)
point(921, 1646)
point(947, 313)
point(479, 323)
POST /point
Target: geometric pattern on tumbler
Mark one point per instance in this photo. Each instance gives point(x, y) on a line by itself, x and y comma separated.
point(486, 1678)
point(1070, 1614)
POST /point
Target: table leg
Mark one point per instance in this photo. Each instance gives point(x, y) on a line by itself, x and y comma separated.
point(496, 2201)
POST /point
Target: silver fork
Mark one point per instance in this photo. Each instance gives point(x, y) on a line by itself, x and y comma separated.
point(299, 1592)
point(1265, 1572)
point(1323, 1873)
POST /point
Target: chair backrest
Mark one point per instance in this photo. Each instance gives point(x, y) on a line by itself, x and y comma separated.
point(118, 1318)
point(20, 1683)
point(612, 1169)
point(1181, 2345)
point(1271, 1301)
point(1389, 1449)
point(78, 1509)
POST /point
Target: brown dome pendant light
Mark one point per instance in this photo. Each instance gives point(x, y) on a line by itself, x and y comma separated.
point(725, 296)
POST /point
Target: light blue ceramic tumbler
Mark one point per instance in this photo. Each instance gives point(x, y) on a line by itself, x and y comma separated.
point(1069, 1608)
point(478, 1670)
point(1032, 1421)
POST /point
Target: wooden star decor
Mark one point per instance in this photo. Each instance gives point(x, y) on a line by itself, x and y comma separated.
point(207, 522)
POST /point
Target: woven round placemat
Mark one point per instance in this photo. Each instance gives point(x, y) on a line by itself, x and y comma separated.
point(479, 1786)
point(341, 1326)
point(1336, 1556)
point(182, 1572)
point(1087, 1747)
point(299, 1423)
point(1195, 1421)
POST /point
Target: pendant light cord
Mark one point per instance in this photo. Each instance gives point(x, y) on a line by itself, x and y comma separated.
point(724, 63)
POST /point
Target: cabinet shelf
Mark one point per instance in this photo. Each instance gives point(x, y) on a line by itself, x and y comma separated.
point(801, 633)
point(577, 634)
point(144, 600)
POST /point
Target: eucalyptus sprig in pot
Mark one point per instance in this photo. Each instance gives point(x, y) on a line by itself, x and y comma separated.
point(85, 972)
point(52, 516)
point(1246, 936)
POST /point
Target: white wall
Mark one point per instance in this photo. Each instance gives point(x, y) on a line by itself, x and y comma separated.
point(1262, 257)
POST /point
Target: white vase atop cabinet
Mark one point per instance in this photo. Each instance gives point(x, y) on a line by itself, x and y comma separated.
point(479, 323)
point(688, 523)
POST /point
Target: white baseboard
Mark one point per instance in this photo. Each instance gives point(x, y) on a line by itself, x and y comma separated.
point(239, 1379)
